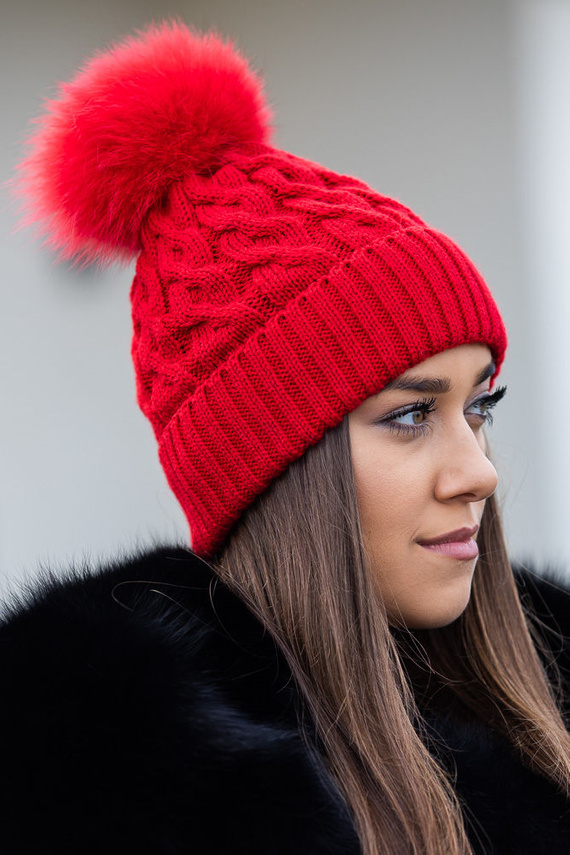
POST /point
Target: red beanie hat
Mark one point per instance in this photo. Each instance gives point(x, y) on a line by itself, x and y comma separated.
point(271, 296)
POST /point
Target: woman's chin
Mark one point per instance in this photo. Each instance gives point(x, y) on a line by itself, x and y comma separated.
point(434, 611)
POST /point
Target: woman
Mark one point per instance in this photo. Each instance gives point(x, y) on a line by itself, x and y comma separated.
point(342, 662)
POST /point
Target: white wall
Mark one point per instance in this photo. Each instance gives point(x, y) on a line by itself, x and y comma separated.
point(542, 78)
point(426, 100)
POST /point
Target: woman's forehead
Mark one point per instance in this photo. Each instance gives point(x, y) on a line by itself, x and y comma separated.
point(436, 374)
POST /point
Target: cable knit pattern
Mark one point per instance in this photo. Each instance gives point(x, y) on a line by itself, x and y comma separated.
point(270, 299)
point(231, 250)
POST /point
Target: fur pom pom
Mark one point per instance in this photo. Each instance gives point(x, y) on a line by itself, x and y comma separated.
point(135, 119)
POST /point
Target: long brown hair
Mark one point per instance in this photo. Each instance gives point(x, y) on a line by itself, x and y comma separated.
point(297, 558)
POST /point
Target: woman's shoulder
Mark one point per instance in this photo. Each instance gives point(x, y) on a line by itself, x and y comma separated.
point(545, 596)
point(144, 709)
point(508, 807)
point(545, 591)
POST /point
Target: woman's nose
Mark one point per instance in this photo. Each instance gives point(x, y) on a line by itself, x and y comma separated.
point(464, 469)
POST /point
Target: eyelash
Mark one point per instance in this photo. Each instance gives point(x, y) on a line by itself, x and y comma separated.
point(427, 406)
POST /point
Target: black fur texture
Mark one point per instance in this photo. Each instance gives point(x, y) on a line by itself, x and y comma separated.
point(144, 710)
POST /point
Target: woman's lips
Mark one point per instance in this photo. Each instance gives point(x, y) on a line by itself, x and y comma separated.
point(455, 544)
point(461, 549)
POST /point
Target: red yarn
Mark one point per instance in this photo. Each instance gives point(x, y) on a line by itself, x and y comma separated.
point(135, 120)
point(271, 296)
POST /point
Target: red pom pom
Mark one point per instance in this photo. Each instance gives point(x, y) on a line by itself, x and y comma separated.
point(134, 120)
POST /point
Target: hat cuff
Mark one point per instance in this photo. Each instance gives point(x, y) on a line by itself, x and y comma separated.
point(397, 302)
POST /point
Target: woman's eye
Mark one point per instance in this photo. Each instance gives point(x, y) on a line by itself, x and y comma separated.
point(413, 420)
point(484, 405)
point(482, 408)
point(416, 417)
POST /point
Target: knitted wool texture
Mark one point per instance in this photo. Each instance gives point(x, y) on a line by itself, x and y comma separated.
point(271, 297)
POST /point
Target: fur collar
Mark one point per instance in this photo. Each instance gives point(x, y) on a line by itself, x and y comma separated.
point(145, 710)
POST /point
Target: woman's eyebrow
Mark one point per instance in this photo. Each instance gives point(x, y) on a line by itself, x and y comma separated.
point(435, 385)
point(487, 372)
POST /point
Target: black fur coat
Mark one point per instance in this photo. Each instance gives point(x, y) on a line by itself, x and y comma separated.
point(144, 710)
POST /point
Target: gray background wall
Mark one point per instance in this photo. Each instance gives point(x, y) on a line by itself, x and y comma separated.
point(457, 107)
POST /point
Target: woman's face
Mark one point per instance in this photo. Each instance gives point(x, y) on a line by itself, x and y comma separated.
point(418, 452)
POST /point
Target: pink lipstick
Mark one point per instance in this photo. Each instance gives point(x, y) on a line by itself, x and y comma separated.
point(458, 544)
